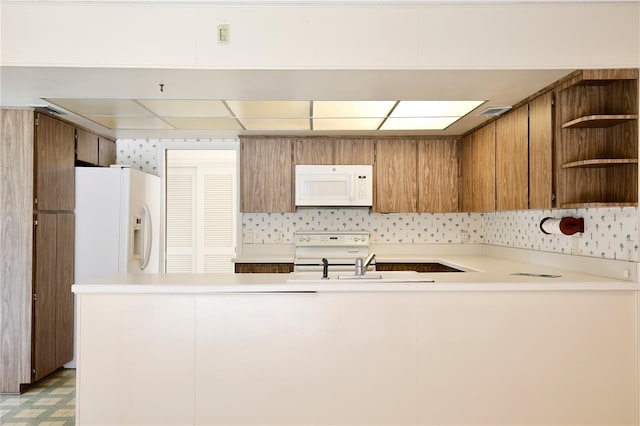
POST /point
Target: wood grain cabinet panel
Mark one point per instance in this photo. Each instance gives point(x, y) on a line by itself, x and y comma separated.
point(16, 246)
point(483, 193)
point(53, 304)
point(465, 192)
point(266, 175)
point(263, 268)
point(106, 152)
point(512, 160)
point(65, 241)
point(417, 267)
point(313, 151)
point(86, 147)
point(354, 151)
point(54, 164)
point(45, 292)
point(438, 175)
point(541, 123)
point(396, 176)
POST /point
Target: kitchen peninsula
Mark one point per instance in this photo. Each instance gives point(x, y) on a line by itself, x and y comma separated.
point(477, 347)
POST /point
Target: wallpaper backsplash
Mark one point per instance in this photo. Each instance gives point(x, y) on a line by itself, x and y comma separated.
point(610, 233)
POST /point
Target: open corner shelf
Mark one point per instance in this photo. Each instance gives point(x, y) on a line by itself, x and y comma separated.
point(596, 205)
point(598, 121)
point(600, 162)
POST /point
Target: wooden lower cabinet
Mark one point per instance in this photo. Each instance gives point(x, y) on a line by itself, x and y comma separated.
point(263, 268)
point(53, 300)
point(418, 267)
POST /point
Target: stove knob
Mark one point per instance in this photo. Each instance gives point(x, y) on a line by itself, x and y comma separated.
point(356, 239)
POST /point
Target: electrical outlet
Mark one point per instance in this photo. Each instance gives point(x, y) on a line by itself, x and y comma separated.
point(248, 238)
point(224, 34)
point(464, 236)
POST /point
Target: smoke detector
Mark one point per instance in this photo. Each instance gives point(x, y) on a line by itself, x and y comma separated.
point(493, 111)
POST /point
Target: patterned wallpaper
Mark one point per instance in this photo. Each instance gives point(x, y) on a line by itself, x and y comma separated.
point(383, 228)
point(610, 233)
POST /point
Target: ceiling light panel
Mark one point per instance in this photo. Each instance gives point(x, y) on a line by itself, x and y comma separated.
point(418, 123)
point(355, 109)
point(186, 108)
point(118, 107)
point(346, 123)
point(434, 108)
point(137, 123)
point(186, 123)
point(277, 124)
point(270, 109)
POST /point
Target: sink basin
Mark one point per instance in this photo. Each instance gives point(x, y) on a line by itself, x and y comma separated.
point(370, 277)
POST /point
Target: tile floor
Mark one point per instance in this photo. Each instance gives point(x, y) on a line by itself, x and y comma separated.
point(51, 402)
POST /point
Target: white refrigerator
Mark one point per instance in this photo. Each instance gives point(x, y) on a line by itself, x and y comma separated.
point(117, 222)
point(117, 218)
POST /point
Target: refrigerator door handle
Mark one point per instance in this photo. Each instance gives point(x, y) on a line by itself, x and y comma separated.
point(148, 230)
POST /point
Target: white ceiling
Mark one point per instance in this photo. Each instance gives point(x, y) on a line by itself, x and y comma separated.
point(25, 86)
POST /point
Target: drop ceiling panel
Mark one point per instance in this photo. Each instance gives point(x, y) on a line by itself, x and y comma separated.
point(418, 123)
point(434, 108)
point(203, 123)
point(346, 123)
point(113, 122)
point(284, 124)
point(121, 107)
point(186, 107)
point(270, 109)
point(361, 109)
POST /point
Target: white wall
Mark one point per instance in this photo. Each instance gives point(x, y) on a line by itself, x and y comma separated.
point(428, 35)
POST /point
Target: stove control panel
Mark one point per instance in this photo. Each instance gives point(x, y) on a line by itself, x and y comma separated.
point(331, 239)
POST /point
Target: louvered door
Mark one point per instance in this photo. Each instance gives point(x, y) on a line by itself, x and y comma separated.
point(201, 219)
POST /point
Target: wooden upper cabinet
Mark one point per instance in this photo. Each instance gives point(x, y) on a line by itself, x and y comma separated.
point(106, 152)
point(354, 151)
point(541, 151)
point(395, 175)
point(54, 164)
point(438, 175)
point(266, 175)
point(465, 188)
point(333, 151)
point(512, 160)
point(313, 151)
point(483, 180)
point(86, 147)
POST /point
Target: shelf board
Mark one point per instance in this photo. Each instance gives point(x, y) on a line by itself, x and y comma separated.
point(599, 162)
point(598, 121)
point(596, 204)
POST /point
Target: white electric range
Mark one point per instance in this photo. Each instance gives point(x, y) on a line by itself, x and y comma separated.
point(340, 248)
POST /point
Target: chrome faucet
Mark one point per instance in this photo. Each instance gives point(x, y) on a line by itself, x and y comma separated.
point(362, 265)
point(325, 268)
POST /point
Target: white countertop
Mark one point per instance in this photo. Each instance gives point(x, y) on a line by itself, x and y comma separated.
point(486, 273)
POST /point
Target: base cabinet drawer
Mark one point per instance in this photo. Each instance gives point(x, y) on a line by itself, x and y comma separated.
point(418, 267)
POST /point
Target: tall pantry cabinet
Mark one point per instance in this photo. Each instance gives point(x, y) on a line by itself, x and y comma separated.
point(36, 246)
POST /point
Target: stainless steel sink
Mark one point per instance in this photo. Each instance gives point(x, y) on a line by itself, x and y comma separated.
point(372, 277)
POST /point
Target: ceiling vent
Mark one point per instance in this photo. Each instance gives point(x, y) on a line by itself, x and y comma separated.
point(493, 111)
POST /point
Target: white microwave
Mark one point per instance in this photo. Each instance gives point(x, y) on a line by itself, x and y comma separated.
point(334, 185)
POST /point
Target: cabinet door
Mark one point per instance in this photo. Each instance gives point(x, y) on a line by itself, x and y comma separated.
point(54, 164)
point(395, 173)
point(354, 151)
point(438, 175)
point(512, 160)
point(465, 196)
point(65, 237)
point(266, 175)
point(44, 358)
point(541, 151)
point(313, 151)
point(106, 152)
point(87, 147)
point(483, 194)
